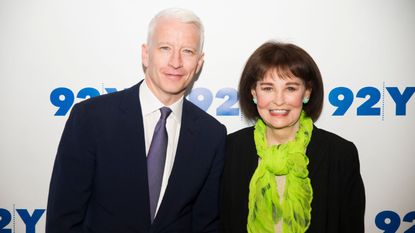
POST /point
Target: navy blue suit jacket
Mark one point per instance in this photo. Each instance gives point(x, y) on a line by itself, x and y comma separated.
point(99, 181)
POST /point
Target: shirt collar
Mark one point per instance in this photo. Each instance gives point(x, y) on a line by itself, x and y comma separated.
point(150, 103)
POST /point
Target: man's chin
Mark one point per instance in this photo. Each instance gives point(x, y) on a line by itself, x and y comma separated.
point(175, 91)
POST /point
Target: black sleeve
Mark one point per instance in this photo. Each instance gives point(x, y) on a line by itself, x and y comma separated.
point(72, 176)
point(205, 209)
point(353, 202)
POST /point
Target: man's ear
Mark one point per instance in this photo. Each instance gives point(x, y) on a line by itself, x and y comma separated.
point(200, 62)
point(144, 55)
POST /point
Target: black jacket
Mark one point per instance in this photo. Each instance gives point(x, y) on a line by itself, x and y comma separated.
point(338, 203)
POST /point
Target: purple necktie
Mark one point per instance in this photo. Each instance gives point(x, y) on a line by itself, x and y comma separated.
point(156, 159)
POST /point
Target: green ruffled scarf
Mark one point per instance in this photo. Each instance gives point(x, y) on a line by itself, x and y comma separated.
point(265, 209)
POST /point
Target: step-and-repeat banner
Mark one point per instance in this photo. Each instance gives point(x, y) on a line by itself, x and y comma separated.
point(55, 53)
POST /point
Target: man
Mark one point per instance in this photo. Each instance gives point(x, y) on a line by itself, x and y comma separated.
point(104, 177)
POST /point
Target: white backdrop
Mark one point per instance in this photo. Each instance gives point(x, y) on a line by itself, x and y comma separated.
point(53, 49)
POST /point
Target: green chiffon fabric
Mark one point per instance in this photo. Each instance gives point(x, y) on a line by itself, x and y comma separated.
point(265, 207)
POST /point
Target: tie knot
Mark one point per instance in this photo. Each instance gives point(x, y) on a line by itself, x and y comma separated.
point(165, 112)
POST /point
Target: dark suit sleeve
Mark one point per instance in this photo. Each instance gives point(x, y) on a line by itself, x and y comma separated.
point(353, 201)
point(205, 210)
point(225, 192)
point(233, 214)
point(72, 177)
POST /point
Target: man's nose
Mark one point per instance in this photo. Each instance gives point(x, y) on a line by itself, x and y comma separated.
point(176, 60)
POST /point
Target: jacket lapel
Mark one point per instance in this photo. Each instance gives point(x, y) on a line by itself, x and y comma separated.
point(316, 151)
point(133, 139)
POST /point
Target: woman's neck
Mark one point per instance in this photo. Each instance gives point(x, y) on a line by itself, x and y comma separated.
point(281, 136)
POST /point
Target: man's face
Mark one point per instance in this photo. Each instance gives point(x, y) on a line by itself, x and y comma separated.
point(172, 58)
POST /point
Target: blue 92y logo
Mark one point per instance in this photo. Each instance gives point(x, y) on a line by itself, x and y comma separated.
point(389, 221)
point(342, 98)
point(203, 98)
point(29, 220)
point(64, 98)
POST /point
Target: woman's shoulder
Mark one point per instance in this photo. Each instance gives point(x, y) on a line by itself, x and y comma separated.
point(241, 139)
point(329, 137)
point(240, 149)
point(242, 134)
point(334, 144)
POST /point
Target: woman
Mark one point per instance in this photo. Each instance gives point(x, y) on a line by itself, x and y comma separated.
point(284, 174)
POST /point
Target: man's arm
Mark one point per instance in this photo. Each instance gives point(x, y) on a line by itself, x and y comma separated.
point(206, 208)
point(72, 176)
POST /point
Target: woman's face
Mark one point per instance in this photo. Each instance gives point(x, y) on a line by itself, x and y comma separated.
point(280, 100)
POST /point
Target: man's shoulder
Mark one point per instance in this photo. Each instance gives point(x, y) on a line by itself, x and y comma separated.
point(195, 111)
point(202, 117)
point(107, 105)
point(111, 98)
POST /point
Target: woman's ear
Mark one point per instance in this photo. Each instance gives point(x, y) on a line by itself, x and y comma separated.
point(307, 93)
point(253, 93)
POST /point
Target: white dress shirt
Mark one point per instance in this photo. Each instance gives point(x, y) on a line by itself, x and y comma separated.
point(150, 106)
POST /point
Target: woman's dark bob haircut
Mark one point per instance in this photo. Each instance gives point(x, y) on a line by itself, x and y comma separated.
point(287, 60)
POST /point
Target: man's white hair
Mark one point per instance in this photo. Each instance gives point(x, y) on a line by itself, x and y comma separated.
point(182, 15)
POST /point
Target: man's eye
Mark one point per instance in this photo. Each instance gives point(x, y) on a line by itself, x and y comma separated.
point(165, 48)
point(188, 51)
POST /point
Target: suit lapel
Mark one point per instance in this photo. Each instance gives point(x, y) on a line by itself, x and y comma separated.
point(252, 158)
point(186, 144)
point(133, 128)
point(316, 151)
point(133, 138)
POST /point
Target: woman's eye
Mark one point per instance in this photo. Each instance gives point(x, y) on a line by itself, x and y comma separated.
point(267, 88)
point(291, 88)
